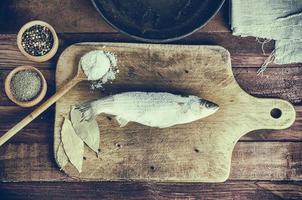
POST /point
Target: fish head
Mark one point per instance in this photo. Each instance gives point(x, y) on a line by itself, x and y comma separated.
point(208, 107)
point(205, 107)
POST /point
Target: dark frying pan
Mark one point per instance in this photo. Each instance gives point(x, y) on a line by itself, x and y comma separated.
point(157, 20)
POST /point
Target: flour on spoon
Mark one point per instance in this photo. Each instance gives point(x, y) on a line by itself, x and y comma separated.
point(99, 67)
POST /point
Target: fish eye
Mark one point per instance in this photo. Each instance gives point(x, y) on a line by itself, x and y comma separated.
point(210, 105)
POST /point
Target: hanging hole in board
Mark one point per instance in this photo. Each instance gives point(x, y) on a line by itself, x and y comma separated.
point(276, 113)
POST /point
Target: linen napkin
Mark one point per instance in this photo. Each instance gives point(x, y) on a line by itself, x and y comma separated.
point(279, 20)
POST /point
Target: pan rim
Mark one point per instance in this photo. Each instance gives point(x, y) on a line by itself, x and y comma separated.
point(157, 40)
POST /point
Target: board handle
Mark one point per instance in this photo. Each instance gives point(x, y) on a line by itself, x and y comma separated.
point(268, 114)
point(282, 114)
point(19, 126)
point(275, 114)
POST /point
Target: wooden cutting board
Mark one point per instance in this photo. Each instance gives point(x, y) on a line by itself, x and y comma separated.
point(197, 152)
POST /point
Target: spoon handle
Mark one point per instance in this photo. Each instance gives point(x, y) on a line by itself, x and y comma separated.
point(29, 118)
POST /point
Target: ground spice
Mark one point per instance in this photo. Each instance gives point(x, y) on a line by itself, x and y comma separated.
point(26, 85)
point(37, 40)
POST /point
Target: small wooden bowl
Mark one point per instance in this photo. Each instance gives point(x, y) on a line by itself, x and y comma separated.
point(25, 104)
point(47, 56)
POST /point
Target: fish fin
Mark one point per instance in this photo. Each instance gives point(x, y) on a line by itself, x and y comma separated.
point(183, 107)
point(180, 103)
point(122, 122)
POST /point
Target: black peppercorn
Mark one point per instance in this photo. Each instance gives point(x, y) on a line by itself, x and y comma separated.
point(37, 40)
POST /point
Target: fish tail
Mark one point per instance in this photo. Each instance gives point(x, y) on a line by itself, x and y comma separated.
point(91, 109)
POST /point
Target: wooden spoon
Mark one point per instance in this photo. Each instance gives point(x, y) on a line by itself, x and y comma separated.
point(80, 76)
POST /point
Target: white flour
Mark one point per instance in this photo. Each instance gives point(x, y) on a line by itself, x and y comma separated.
point(99, 67)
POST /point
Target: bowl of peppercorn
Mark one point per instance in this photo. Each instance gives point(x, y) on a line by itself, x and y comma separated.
point(25, 86)
point(38, 41)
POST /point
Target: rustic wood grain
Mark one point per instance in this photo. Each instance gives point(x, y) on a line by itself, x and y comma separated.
point(231, 190)
point(46, 133)
point(276, 81)
point(246, 53)
point(250, 57)
point(41, 129)
point(151, 154)
point(72, 16)
point(250, 161)
point(283, 83)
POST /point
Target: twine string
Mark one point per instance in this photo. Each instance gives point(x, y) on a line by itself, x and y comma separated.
point(268, 61)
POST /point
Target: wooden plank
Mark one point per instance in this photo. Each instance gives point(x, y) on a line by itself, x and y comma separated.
point(41, 129)
point(21, 162)
point(284, 83)
point(251, 161)
point(273, 84)
point(239, 190)
point(277, 82)
point(260, 86)
point(245, 52)
point(65, 16)
point(72, 16)
point(10, 56)
point(267, 161)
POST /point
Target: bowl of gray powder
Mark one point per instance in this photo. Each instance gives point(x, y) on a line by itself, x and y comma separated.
point(25, 86)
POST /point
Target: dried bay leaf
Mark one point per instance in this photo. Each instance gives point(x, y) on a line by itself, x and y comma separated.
point(72, 144)
point(88, 131)
point(62, 158)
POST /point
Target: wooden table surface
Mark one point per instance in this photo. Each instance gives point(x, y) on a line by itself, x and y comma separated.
point(266, 164)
